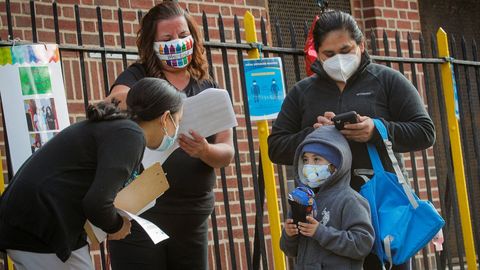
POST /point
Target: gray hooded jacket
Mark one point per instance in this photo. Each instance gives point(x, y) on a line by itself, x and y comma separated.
point(345, 235)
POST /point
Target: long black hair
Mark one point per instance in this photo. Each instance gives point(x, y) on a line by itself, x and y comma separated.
point(335, 20)
point(148, 99)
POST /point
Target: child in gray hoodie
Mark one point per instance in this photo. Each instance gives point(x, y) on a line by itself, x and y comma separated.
point(341, 235)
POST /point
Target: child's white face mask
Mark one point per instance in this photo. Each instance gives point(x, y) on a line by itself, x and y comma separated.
point(175, 53)
point(315, 174)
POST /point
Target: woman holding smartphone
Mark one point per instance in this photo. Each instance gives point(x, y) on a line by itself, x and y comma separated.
point(346, 80)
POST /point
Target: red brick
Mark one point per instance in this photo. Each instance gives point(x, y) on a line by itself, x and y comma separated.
point(142, 4)
point(124, 3)
point(413, 15)
point(258, 3)
point(46, 36)
point(67, 12)
point(209, 9)
point(67, 25)
point(129, 16)
point(413, 6)
point(368, 4)
point(87, 13)
point(70, 38)
point(390, 13)
point(401, 4)
point(89, 26)
point(112, 3)
point(42, 9)
point(22, 21)
point(404, 25)
point(107, 14)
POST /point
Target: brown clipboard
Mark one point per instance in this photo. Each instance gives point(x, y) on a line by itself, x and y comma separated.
point(147, 187)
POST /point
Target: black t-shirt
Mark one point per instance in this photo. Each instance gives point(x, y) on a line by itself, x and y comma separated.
point(73, 177)
point(191, 180)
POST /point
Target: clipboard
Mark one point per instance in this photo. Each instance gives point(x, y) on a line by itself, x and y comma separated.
point(144, 190)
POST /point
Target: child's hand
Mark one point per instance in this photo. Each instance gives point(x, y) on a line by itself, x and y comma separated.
point(290, 228)
point(308, 229)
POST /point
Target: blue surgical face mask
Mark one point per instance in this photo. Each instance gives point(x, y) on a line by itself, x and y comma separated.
point(315, 175)
point(168, 141)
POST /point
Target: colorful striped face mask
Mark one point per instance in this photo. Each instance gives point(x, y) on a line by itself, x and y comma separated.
point(175, 53)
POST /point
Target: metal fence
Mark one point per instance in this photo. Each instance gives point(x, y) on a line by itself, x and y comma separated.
point(431, 170)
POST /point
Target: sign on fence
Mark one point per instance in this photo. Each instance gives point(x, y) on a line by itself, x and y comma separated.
point(264, 86)
point(33, 98)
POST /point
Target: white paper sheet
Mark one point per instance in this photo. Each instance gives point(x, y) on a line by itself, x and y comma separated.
point(207, 113)
point(154, 232)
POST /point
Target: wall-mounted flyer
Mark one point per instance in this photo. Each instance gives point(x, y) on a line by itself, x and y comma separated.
point(33, 98)
point(265, 88)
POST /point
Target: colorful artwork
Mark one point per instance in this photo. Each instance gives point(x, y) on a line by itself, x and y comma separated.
point(35, 80)
point(33, 98)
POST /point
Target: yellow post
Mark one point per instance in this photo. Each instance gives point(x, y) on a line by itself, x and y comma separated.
point(2, 189)
point(456, 146)
point(267, 166)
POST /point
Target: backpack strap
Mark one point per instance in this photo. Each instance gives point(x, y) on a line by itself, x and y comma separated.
point(388, 145)
point(387, 243)
point(362, 173)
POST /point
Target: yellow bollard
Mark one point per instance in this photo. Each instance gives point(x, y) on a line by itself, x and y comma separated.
point(456, 146)
point(2, 189)
point(267, 166)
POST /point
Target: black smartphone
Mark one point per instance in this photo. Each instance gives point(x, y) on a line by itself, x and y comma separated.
point(345, 118)
point(299, 211)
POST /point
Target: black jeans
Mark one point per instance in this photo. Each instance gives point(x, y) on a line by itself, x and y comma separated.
point(186, 248)
point(373, 263)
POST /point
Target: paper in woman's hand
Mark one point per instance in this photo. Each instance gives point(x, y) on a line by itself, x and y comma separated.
point(207, 113)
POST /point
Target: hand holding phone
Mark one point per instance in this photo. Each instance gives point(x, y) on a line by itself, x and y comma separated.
point(340, 120)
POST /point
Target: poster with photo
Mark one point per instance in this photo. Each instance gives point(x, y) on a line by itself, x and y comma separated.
point(33, 98)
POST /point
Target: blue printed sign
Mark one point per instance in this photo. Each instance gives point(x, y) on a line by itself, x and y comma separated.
point(265, 88)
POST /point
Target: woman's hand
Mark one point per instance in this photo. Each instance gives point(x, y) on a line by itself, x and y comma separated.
point(308, 229)
point(324, 120)
point(361, 131)
point(123, 232)
point(291, 228)
point(197, 147)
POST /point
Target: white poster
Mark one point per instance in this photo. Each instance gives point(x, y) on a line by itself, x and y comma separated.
point(33, 98)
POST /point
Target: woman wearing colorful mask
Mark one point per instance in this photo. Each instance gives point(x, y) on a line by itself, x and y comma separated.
point(170, 46)
point(346, 80)
point(76, 176)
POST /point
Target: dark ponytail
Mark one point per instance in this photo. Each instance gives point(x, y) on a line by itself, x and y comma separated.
point(104, 111)
point(149, 98)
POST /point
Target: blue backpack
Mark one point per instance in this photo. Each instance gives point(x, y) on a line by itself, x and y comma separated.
point(403, 223)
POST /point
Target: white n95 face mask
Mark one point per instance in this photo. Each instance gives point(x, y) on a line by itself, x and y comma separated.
point(341, 67)
point(315, 175)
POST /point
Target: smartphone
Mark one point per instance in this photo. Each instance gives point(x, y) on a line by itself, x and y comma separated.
point(299, 211)
point(345, 118)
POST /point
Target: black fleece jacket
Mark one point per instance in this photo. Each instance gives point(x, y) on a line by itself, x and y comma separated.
point(375, 91)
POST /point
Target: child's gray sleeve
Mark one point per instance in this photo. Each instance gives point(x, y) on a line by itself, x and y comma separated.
point(356, 238)
point(289, 245)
